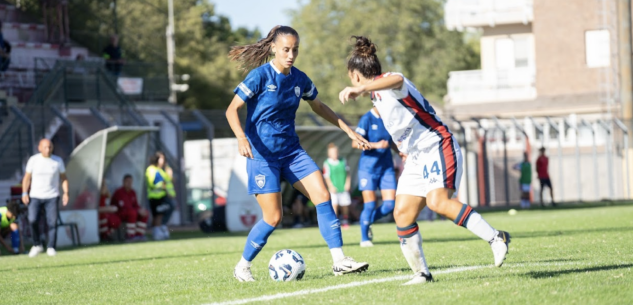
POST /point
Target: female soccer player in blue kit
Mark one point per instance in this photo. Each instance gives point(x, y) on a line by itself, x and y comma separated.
point(375, 170)
point(433, 167)
point(272, 92)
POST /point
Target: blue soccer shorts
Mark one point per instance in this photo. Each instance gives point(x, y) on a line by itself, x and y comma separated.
point(264, 177)
point(385, 179)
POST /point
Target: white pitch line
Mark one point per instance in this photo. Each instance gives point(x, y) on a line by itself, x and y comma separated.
point(336, 287)
point(374, 281)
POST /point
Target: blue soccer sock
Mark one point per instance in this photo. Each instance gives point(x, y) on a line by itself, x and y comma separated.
point(329, 225)
point(366, 219)
point(15, 239)
point(257, 239)
point(385, 209)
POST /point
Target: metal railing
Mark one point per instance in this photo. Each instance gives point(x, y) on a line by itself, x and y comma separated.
point(474, 86)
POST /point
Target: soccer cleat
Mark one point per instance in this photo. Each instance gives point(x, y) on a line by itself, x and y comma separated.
point(349, 265)
point(51, 252)
point(157, 233)
point(35, 250)
point(420, 278)
point(165, 231)
point(500, 244)
point(366, 244)
point(243, 274)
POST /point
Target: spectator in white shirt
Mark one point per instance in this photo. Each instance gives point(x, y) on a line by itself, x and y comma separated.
point(44, 172)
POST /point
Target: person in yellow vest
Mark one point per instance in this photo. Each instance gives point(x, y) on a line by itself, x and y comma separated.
point(8, 226)
point(160, 191)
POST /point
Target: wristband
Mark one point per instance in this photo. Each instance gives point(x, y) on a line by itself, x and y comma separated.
point(25, 194)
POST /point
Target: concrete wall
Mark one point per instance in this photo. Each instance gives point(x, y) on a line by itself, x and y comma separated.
point(559, 30)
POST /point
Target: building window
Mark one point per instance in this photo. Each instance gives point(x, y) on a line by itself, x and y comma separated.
point(512, 53)
point(504, 53)
point(521, 52)
point(597, 47)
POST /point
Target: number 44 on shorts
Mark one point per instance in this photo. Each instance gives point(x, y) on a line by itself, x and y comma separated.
point(434, 169)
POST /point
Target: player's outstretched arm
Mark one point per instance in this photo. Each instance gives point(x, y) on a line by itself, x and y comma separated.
point(393, 81)
point(244, 147)
point(325, 112)
point(373, 145)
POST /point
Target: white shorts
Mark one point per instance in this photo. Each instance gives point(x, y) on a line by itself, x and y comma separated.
point(341, 199)
point(525, 187)
point(438, 165)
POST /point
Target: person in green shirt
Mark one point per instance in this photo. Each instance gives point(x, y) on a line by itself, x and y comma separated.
point(525, 180)
point(336, 173)
point(8, 215)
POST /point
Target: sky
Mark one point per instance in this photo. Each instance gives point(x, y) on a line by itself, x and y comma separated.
point(263, 14)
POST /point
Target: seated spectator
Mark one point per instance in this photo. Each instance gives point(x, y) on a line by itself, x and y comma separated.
point(8, 215)
point(109, 221)
point(113, 56)
point(129, 211)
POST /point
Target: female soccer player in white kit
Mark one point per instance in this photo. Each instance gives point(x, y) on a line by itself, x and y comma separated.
point(433, 167)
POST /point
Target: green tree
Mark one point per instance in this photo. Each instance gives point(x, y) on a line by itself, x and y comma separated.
point(410, 36)
point(203, 40)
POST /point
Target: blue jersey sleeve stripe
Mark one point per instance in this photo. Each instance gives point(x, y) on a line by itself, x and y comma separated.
point(246, 90)
point(361, 131)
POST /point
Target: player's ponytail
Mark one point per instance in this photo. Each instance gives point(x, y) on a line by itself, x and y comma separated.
point(363, 58)
point(254, 55)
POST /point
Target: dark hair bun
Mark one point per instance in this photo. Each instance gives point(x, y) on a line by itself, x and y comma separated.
point(363, 47)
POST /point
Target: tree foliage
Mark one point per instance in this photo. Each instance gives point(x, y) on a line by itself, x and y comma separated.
point(410, 36)
point(202, 40)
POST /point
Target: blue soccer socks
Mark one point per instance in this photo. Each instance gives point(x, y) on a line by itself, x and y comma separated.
point(366, 219)
point(329, 225)
point(384, 210)
point(257, 239)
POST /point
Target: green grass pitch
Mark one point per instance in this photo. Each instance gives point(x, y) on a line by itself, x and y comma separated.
point(562, 256)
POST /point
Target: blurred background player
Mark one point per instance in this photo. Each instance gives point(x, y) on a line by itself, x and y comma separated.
point(375, 170)
point(109, 221)
point(525, 180)
point(159, 190)
point(129, 211)
point(434, 163)
point(337, 178)
point(40, 189)
point(272, 92)
point(300, 210)
point(543, 175)
point(8, 226)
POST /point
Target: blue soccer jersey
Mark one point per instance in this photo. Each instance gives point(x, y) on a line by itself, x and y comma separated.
point(272, 99)
point(372, 128)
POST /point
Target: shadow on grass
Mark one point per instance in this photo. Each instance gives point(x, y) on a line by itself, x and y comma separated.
point(553, 273)
point(533, 234)
point(121, 261)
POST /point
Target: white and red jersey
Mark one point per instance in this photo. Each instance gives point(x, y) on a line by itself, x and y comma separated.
point(408, 117)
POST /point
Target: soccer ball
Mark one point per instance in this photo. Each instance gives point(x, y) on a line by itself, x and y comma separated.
point(286, 265)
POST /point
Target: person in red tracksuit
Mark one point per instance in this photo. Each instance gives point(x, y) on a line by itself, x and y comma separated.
point(109, 221)
point(543, 175)
point(129, 211)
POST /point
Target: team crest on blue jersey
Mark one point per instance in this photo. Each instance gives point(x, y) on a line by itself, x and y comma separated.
point(260, 180)
point(297, 91)
point(272, 88)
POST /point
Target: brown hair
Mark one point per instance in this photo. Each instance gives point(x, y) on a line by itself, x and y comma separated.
point(254, 55)
point(363, 58)
point(331, 145)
